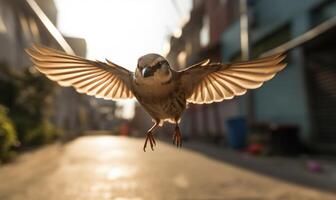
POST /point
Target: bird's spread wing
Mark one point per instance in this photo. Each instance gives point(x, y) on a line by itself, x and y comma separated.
point(215, 82)
point(100, 79)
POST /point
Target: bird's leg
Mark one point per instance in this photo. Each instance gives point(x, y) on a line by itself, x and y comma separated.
point(150, 137)
point(177, 138)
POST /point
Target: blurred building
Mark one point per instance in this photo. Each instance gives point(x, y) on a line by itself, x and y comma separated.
point(141, 121)
point(201, 39)
point(303, 94)
point(19, 28)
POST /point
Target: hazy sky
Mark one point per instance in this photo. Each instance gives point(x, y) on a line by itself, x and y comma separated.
point(122, 30)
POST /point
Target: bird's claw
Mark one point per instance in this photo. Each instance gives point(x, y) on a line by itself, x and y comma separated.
point(151, 140)
point(177, 138)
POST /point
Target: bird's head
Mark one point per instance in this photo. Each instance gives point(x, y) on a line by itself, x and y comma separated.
point(153, 68)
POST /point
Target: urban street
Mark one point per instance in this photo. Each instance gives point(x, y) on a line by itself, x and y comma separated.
point(247, 86)
point(111, 167)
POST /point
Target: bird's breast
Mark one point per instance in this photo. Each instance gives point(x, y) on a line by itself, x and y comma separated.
point(154, 91)
point(161, 101)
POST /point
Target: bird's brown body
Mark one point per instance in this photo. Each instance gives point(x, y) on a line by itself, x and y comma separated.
point(162, 91)
point(163, 102)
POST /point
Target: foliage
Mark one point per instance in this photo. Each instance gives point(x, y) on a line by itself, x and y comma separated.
point(44, 133)
point(28, 96)
point(8, 137)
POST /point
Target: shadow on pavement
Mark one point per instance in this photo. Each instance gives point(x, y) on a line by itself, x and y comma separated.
point(292, 170)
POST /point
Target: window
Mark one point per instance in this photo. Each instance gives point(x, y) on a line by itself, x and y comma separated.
point(189, 48)
point(205, 32)
point(182, 59)
point(34, 29)
point(25, 27)
point(3, 28)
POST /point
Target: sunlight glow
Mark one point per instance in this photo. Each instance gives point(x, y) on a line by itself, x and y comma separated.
point(118, 172)
point(121, 30)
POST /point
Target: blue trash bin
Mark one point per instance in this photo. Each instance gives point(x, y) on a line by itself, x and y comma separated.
point(237, 132)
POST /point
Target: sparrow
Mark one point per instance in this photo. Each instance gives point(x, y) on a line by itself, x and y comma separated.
point(162, 91)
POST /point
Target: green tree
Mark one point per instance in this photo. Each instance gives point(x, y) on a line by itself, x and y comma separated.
point(8, 138)
point(27, 97)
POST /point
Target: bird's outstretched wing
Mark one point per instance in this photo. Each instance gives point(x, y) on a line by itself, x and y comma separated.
point(214, 82)
point(99, 79)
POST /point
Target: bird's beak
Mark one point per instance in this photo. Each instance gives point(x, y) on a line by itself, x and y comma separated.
point(146, 72)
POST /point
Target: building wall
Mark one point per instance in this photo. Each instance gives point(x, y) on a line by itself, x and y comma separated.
point(204, 120)
point(268, 17)
point(284, 99)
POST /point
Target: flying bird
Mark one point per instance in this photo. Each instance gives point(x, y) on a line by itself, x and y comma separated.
point(162, 91)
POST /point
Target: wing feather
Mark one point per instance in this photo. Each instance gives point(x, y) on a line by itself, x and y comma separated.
point(110, 88)
point(209, 89)
point(115, 89)
point(248, 76)
point(214, 82)
point(203, 90)
point(102, 90)
point(217, 89)
point(84, 87)
point(94, 87)
point(227, 91)
point(100, 79)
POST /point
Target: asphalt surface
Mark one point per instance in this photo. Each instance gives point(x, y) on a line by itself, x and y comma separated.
point(108, 167)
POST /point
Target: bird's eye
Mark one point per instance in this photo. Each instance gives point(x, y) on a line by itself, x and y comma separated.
point(163, 62)
point(159, 64)
point(156, 66)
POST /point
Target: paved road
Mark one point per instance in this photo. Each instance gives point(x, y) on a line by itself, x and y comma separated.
point(106, 167)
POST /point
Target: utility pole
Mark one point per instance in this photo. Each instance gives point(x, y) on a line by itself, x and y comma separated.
point(246, 53)
point(244, 30)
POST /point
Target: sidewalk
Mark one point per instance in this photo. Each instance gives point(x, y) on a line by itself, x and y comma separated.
point(290, 169)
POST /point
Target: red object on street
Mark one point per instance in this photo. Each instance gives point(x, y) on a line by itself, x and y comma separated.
point(124, 130)
point(255, 148)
